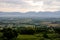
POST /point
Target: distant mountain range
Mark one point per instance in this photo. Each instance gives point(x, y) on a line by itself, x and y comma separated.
point(31, 14)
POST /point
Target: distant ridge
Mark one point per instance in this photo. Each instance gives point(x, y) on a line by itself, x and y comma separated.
point(30, 14)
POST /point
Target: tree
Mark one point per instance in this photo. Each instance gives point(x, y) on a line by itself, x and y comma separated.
point(45, 35)
point(9, 34)
point(57, 30)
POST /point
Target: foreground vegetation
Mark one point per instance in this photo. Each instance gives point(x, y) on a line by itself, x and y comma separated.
point(25, 33)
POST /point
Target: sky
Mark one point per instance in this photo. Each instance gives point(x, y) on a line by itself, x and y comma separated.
point(29, 5)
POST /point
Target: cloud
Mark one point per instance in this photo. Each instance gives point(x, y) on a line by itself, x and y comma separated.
point(29, 5)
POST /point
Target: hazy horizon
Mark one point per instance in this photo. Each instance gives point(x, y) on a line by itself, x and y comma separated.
point(31, 14)
point(31, 8)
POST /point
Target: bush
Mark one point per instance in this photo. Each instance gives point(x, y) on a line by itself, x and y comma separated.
point(8, 34)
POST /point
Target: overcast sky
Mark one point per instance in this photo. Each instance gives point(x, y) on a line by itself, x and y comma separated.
point(29, 5)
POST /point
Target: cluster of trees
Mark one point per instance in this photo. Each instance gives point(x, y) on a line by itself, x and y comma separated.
point(27, 30)
point(8, 34)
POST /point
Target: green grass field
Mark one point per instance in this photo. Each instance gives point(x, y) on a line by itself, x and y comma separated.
point(37, 37)
point(29, 37)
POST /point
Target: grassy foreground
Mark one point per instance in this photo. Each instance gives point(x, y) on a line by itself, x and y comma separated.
point(37, 37)
point(27, 37)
